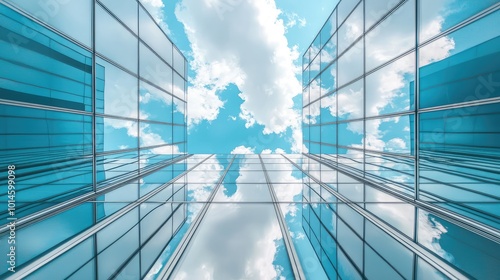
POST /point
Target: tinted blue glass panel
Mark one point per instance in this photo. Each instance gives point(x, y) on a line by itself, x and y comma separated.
point(179, 111)
point(474, 254)
point(56, 229)
point(116, 167)
point(110, 202)
point(49, 150)
point(350, 133)
point(350, 101)
point(351, 243)
point(346, 269)
point(392, 135)
point(116, 244)
point(114, 40)
point(467, 70)
point(391, 89)
point(376, 9)
point(329, 108)
point(329, 134)
point(59, 13)
point(351, 29)
point(390, 250)
point(344, 8)
point(116, 134)
point(120, 91)
point(155, 104)
point(153, 36)
point(126, 11)
point(398, 28)
point(41, 67)
point(329, 79)
point(77, 262)
point(445, 14)
point(350, 64)
point(426, 271)
point(151, 251)
point(329, 28)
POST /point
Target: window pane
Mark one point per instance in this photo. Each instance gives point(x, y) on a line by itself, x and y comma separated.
point(59, 13)
point(154, 37)
point(153, 134)
point(439, 16)
point(125, 240)
point(351, 29)
point(463, 139)
point(350, 134)
point(153, 69)
point(52, 148)
point(376, 9)
point(116, 134)
point(120, 91)
point(472, 253)
point(155, 104)
point(125, 10)
point(179, 111)
point(68, 263)
point(329, 79)
point(41, 67)
point(56, 229)
point(316, 46)
point(329, 27)
point(392, 135)
point(179, 62)
point(350, 64)
point(460, 67)
point(179, 86)
point(378, 268)
point(114, 41)
point(329, 108)
point(179, 133)
point(314, 67)
point(391, 89)
point(344, 8)
point(315, 133)
point(394, 212)
point(398, 29)
point(329, 52)
point(350, 101)
point(116, 167)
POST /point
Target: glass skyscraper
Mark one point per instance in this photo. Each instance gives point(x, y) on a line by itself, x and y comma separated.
point(93, 125)
point(402, 99)
point(400, 179)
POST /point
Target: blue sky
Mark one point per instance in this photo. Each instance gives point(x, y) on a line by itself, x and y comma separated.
point(228, 45)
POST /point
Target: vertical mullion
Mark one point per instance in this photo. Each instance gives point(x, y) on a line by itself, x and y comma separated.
point(94, 122)
point(416, 136)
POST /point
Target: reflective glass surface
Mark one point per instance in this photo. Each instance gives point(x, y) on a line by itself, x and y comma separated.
point(411, 117)
point(41, 67)
point(398, 29)
point(113, 40)
point(467, 69)
point(58, 13)
point(350, 64)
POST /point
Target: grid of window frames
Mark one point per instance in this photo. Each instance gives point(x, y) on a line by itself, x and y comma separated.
point(359, 231)
point(93, 113)
point(407, 94)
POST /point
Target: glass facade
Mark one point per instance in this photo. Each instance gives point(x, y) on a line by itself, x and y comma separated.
point(401, 100)
point(93, 128)
point(399, 179)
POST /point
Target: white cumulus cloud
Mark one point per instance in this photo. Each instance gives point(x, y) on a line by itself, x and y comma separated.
point(242, 43)
point(243, 150)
